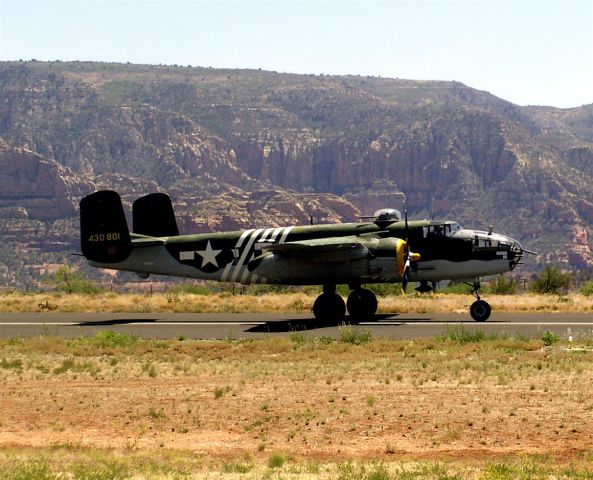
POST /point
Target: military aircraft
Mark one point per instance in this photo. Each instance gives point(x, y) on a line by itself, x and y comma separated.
point(385, 248)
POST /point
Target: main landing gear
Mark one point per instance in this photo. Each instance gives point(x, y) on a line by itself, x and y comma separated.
point(479, 310)
point(361, 304)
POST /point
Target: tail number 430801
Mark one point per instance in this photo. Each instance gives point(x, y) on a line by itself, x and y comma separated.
point(104, 237)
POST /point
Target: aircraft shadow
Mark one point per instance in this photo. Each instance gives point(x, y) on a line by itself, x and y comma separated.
point(115, 321)
point(300, 324)
point(381, 320)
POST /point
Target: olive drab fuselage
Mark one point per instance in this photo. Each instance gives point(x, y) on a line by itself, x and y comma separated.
point(241, 256)
point(386, 249)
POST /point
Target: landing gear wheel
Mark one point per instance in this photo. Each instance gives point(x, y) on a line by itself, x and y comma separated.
point(362, 305)
point(480, 310)
point(329, 306)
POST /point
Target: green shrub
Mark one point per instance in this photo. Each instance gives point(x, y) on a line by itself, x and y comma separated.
point(587, 288)
point(111, 339)
point(220, 392)
point(456, 287)
point(550, 338)
point(354, 336)
point(11, 364)
point(503, 286)
point(299, 338)
point(37, 470)
point(463, 335)
point(244, 465)
point(551, 281)
point(68, 280)
point(190, 288)
point(276, 461)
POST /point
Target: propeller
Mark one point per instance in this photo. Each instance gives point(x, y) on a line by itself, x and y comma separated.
point(406, 274)
point(408, 254)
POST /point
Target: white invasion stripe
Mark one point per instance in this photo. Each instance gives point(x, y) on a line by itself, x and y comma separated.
point(264, 237)
point(276, 233)
point(186, 255)
point(246, 273)
point(225, 273)
point(239, 265)
point(285, 234)
point(242, 237)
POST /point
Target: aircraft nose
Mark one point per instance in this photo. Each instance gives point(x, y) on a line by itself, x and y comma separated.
point(516, 253)
point(504, 246)
point(516, 247)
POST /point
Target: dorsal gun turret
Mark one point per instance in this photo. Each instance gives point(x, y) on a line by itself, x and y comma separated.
point(386, 216)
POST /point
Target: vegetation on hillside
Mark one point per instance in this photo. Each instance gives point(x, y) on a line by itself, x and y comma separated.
point(551, 281)
point(214, 136)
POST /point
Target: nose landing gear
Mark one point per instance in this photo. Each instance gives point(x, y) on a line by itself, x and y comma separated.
point(480, 310)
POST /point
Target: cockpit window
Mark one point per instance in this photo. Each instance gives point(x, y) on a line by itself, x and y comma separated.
point(441, 230)
point(455, 227)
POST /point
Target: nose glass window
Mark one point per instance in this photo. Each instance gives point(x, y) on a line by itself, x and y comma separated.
point(487, 243)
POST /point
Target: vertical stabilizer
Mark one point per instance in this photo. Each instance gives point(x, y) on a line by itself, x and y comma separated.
point(104, 235)
point(153, 215)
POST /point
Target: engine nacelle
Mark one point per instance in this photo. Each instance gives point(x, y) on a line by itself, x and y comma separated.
point(391, 258)
point(380, 260)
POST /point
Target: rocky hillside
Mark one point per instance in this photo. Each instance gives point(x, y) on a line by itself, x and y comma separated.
point(238, 148)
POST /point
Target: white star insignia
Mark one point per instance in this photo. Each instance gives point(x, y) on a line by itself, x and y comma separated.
point(208, 255)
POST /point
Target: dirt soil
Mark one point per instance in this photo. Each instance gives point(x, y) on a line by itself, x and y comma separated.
point(380, 400)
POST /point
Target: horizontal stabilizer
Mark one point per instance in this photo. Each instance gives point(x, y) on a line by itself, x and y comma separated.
point(104, 235)
point(142, 241)
point(153, 216)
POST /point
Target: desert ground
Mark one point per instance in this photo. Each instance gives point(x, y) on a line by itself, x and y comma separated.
point(273, 302)
point(464, 405)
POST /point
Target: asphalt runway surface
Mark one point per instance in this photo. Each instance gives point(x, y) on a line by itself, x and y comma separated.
point(253, 325)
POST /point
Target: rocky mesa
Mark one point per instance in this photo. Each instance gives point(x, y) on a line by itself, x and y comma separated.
point(238, 148)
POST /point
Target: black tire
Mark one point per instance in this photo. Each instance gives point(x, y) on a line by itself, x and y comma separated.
point(480, 311)
point(362, 304)
point(329, 306)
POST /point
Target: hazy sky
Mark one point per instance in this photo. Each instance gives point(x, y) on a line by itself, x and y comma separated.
point(538, 53)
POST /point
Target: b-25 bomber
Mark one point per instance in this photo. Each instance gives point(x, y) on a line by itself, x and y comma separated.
point(385, 248)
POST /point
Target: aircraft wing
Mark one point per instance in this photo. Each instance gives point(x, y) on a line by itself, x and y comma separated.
point(326, 249)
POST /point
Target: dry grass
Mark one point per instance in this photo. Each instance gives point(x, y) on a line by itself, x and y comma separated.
point(293, 302)
point(61, 462)
point(297, 407)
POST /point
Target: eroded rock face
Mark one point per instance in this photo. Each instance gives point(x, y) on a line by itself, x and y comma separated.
point(38, 188)
point(239, 149)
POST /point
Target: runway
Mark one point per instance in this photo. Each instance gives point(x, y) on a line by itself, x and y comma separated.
point(253, 325)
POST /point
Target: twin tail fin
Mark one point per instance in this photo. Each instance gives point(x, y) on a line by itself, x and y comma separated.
point(104, 233)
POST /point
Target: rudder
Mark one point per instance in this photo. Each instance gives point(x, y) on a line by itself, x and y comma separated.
point(104, 234)
point(153, 215)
